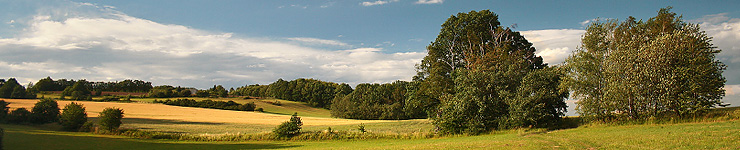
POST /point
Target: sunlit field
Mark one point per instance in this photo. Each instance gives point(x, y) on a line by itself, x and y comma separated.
point(160, 117)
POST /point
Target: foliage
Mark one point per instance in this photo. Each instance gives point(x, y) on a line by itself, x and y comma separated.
point(4, 110)
point(78, 91)
point(314, 92)
point(642, 69)
point(230, 105)
point(165, 91)
point(11, 89)
point(110, 118)
point(289, 128)
point(73, 117)
point(539, 101)
point(361, 128)
point(476, 78)
point(128, 85)
point(19, 116)
point(45, 111)
point(372, 101)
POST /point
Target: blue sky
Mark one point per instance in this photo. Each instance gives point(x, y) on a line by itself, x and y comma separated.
point(236, 42)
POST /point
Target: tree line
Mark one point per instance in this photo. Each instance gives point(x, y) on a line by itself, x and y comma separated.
point(128, 85)
point(230, 105)
point(314, 92)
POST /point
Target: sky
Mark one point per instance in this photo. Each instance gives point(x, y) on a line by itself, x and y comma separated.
point(198, 43)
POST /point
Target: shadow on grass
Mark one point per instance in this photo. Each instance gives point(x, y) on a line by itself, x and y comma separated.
point(30, 138)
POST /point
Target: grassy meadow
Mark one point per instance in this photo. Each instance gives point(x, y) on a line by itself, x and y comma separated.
point(702, 135)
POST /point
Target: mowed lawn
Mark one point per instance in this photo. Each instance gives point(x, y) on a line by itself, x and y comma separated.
point(705, 135)
point(160, 117)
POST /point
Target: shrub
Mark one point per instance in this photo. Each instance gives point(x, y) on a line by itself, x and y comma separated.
point(110, 118)
point(289, 128)
point(361, 127)
point(73, 117)
point(87, 127)
point(19, 115)
point(259, 110)
point(45, 111)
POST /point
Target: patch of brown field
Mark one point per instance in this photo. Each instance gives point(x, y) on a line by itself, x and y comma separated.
point(190, 114)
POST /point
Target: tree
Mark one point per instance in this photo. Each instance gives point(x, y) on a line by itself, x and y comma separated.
point(73, 117)
point(538, 101)
point(46, 84)
point(110, 118)
point(474, 71)
point(642, 69)
point(45, 111)
point(11, 89)
point(4, 110)
point(289, 128)
point(78, 91)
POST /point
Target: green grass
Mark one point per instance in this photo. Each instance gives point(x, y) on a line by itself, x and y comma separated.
point(702, 135)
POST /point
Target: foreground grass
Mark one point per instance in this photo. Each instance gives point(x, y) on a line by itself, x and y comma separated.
point(703, 135)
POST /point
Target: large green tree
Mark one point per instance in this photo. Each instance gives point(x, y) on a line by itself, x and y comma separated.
point(640, 69)
point(474, 69)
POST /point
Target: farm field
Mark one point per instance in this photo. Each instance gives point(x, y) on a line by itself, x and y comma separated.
point(165, 118)
point(704, 135)
point(286, 107)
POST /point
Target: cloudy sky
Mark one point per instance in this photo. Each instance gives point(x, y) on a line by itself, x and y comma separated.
point(237, 42)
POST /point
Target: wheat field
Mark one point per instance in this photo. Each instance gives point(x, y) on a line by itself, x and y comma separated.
point(160, 117)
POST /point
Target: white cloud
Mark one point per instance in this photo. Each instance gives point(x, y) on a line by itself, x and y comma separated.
point(379, 2)
point(429, 1)
point(554, 45)
point(315, 41)
point(115, 46)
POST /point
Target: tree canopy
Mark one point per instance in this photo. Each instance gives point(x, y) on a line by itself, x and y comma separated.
point(639, 69)
point(475, 69)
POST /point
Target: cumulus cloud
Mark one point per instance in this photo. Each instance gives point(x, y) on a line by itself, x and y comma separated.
point(429, 1)
point(379, 2)
point(111, 45)
point(554, 45)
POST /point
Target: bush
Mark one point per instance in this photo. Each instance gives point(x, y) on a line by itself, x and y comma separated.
point(19, 116)
point(87, 127)
point(259, 110)
point(289, 128)
point(73, 117)
point(45, 111)
point(110, 118)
